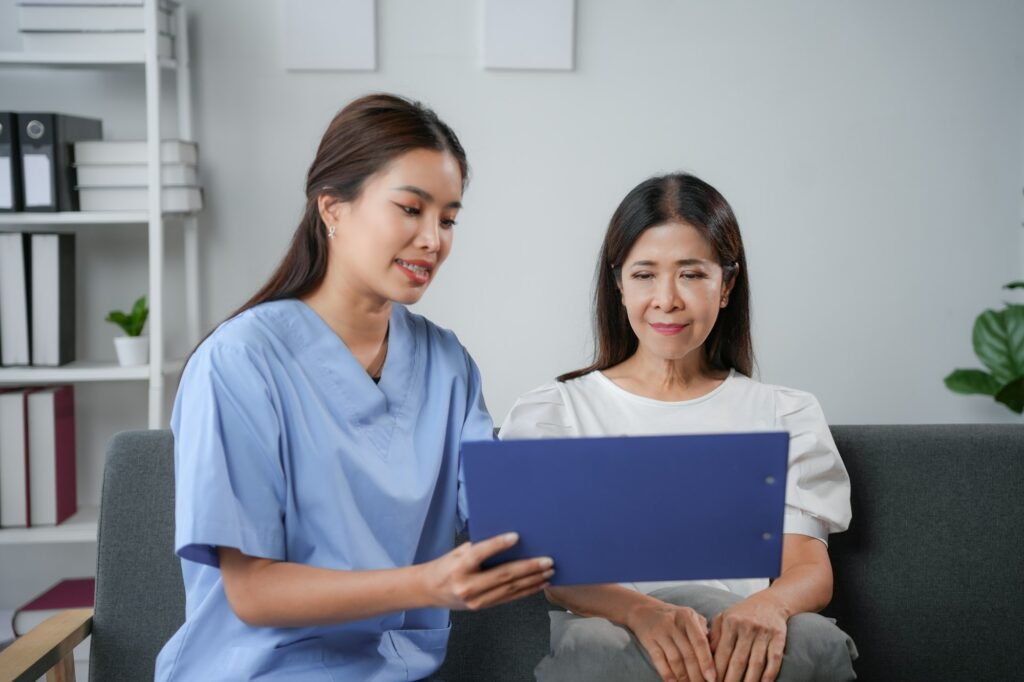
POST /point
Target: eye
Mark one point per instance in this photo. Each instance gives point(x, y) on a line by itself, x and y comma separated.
point(409, 210)
point(691, 275)
point(448, 223)
point(642, 275)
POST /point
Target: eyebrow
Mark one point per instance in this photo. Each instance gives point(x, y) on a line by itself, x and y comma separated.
point(425, 195)
point(684, 261)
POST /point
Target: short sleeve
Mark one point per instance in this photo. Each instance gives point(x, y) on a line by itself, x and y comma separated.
point(476, 427)
point(230, 484)
point(817, 485)
point(541, 413)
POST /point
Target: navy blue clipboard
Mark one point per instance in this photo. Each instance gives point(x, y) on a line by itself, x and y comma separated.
point(631, 509)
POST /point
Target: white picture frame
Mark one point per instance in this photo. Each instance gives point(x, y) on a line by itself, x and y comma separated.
point(529, 34)
point(330, 35)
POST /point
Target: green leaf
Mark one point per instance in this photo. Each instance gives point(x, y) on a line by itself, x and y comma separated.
point(142, 320)
point(1012, 395)
point(999, 342)
point(139, 308)
point(1015, 285)
point(972, 381)
point(117, 317)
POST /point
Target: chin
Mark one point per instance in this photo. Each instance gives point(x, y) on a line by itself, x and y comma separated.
point(667, 351)
point(407, 296)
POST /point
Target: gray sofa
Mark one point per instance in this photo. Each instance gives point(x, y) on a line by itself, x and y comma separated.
point(928, 578)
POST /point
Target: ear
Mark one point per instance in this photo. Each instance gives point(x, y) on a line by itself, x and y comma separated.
point(727, 286)
point(331, 209)
point(617, 276)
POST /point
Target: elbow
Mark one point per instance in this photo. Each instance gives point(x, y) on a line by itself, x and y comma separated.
point(245, 607)
point(246, 587)
point(821, 599)
point(827, 589)
point(244, 597)
point(821, 595)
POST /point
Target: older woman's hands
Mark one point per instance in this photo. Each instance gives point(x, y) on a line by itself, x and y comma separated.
point(676, 639)
point(749, 639)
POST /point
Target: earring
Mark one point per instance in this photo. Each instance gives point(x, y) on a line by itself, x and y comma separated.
point(330, 231)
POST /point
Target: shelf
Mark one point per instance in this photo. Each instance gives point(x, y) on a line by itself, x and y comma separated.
point(82, 218)
point(81, 527)
point(68, 59)
point(74, 218)
point(82, 371)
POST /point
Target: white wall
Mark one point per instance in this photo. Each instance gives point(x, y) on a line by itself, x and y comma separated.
point(873, 151)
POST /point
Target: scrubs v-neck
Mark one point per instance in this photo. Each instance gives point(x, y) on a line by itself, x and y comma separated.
point(286, 449)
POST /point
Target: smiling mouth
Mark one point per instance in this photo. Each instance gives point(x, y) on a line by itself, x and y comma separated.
point(418, 273)
point(668, 329)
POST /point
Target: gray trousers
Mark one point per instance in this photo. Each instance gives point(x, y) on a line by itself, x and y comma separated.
point(596, 650)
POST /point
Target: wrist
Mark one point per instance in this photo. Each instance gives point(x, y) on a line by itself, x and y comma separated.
point(772, 597)
point(637, 610)
point(421, 593)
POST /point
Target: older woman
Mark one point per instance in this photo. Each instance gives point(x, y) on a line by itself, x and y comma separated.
point(674, 356)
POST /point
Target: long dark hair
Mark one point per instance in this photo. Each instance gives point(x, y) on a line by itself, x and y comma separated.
point(675, 198)
point(361, 140)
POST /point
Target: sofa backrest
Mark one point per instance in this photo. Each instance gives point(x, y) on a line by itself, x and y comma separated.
point(928, 580)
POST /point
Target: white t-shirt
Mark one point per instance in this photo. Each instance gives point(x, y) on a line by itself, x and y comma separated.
point(817, 485)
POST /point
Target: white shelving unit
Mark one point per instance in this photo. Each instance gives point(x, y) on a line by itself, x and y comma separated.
point(81, 371)
point(70, 60)
point(79, 528)
point(75, 218)
point(82, 526)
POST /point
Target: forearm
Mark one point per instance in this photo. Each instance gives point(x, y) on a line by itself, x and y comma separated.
point(805, 587)
point(611, 602)
point(283, 594)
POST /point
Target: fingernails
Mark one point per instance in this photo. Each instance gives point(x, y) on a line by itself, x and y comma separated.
point(511, 538)
point(545, 562)
point(709, 675)
point(548, 574)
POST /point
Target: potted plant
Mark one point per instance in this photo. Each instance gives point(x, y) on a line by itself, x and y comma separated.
point(132, 348)
point(999, 344)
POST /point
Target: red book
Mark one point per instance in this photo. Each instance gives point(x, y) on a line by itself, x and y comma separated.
point(51, 451)
point(15, 505)
point(73, 593)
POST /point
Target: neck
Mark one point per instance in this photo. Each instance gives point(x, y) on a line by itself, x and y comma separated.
point(360, 319)
point(679, 373)
point(666, 379)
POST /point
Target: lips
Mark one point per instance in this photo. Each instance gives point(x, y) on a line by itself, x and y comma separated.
point(417, 271)
point(666, 329)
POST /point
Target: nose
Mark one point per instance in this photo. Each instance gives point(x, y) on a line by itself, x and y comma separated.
point(428, 238)
point(666, 295)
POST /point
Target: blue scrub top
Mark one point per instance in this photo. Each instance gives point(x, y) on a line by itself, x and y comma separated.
point(286, 449)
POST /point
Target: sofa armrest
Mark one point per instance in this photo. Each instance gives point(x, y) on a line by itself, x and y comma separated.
point(46, 646)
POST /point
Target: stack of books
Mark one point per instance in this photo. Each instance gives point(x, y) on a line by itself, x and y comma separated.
point(113, 176)
point(37, 299)
point(96, 27)
point(37, 456)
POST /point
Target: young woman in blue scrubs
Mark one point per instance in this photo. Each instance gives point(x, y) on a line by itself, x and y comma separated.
point(317, 435)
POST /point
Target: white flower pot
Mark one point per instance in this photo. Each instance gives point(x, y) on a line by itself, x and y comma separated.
point(132, 350)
